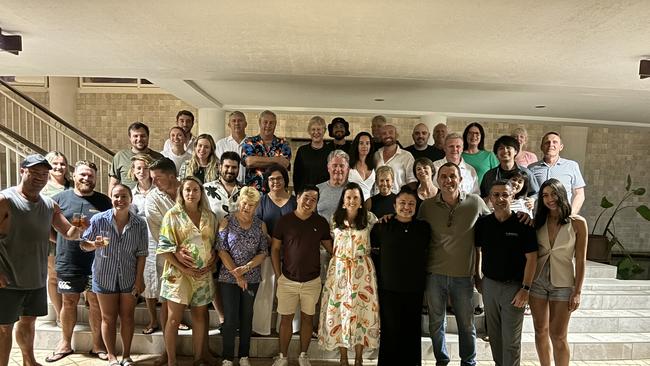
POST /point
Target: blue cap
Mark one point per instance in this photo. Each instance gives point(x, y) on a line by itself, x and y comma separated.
point(35, 159)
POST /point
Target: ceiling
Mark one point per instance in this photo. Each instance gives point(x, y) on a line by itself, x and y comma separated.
point(492, 58)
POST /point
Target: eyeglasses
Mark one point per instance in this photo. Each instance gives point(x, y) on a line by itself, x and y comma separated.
point(87, 163)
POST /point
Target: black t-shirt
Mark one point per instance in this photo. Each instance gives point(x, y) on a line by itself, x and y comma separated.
point(70, 259)
point(345, 147)
point(310, 166)
point(431, 152)
point(403, 253)
point(383, 205)
point(504, 246)
point(301, 245)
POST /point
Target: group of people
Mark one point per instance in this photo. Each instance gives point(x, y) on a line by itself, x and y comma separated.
point(369, 232)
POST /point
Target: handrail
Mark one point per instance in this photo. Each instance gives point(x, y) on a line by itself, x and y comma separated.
point(22, 140)
point(57, 118)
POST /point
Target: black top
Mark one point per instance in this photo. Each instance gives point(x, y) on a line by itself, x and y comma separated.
point(310, 166)
point(345, 147)
point(70, 259)
point(431, 152)
point(504, 246)
point(497, 173)
point(402, 254)
point(383, 205)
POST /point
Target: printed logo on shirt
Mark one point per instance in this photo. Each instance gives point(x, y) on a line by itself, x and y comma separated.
point(514, 235)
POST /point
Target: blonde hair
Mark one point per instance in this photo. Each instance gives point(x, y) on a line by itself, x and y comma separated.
point(519, 131)
point(212, 169)
point(203, 202)
point(384, 169)
point(249, 194)
point(146, 158)
point(56, 154)
point(316, 120)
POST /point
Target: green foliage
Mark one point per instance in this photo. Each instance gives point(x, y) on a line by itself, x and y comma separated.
point(627, 268)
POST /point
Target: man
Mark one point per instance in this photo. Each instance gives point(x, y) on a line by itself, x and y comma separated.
point(453, 151)
point(237, 124)
point(339, 129)
point(139, 138)
point(25, 221)
point(184, 120)
point(451, 214)
point(400, 160)
point(223, 192)
point(74, 266)
point(506, 149)
point(177, 151)
point(377, 123)
point(338, 167)
point(439, 135)
point(420, 147)
point(506, 249)
point(564, 170)
point(295, 253)
point(263, 150)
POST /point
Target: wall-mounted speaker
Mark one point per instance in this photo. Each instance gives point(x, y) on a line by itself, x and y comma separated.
point(11, 44)
point(644, 69)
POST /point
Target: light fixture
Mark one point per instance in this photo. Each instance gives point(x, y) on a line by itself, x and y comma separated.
point(11, 44)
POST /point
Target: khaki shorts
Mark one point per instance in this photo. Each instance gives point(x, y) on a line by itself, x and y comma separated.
point(290, 293)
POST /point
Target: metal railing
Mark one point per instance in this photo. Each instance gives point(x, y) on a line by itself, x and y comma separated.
point(13, 149)
point(28, 119)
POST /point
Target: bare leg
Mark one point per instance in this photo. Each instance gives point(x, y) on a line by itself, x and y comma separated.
point(358, 355)
point(199, 330)
point(558, 327)
point(68, 320)
point(6, 332)
point(286, 331)
point(539, 309)
point(344, 356)
point(52, 286)
point(305, 331)
point(171, 330)
point(217, 303)
point(25, 339)
point(109, 305)
point(162, 360)
point(153, 319)
point(126, 311)
point(95, 320)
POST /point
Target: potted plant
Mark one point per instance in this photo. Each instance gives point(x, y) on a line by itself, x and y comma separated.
point(600, 245)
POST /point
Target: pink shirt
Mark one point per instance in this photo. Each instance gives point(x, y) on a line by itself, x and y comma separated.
point(525, 158)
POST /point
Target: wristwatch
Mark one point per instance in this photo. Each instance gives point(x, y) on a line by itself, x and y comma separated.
point(525, 287)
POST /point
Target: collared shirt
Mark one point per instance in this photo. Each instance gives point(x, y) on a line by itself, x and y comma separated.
point(525, 158)
point(564, 170)
point(451, 250)
point(469, 184)
point(122, 163)
point(402, 164)
point(156, 205)
point(115, 265)
point(254, 146)
point(221, 202)
point(228, 143)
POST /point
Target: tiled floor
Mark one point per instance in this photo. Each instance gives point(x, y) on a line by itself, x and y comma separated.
point(145, 360)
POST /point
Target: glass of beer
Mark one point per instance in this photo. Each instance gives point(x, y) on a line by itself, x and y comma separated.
point(76, 219)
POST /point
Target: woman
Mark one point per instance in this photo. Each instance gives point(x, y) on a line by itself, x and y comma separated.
point(521, 202)
point(383, 203)
point(190, 227)
point(243, 246)
point(204, 164)
point(275, 204)
point(310, 166)
point(524, 158)
point(402, 244)
point(349, 314)
point(474, 152)
point(119, 239)
point(555, 292)
point(362, 164)
point(58, 181)
point(424, 171)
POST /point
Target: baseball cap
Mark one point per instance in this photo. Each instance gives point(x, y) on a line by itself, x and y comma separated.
point(35, 159)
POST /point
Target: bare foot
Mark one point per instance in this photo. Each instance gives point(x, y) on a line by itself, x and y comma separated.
point(160, 361)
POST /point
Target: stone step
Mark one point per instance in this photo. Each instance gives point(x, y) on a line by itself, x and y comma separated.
point(615, 299)
point(584, 347)
point(599, 270)
point(597, 321)
point(611, 284)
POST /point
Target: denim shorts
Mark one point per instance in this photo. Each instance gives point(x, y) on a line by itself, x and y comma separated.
point(543, 288)
point(96, 288)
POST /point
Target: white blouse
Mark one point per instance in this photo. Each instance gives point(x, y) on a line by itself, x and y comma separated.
point(367, 185)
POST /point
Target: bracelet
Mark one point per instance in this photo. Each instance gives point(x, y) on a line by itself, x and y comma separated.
point(525, 287)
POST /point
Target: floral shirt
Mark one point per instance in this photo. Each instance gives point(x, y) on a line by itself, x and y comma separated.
point(242, 245)
point(254, 146)
point(221, 202)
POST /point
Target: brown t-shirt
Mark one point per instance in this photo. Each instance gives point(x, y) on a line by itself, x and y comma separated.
point(301, 245)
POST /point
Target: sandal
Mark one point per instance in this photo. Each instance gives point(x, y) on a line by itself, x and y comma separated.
point(151, 330)
point(115, 362)
point(102, 355)
point(57, 356)
point(183, 326)
point(127, 362)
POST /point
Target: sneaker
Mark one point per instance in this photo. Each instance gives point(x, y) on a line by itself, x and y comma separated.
point(303, 359)
point(281, 361)
point(244, 361)
point(227, 363)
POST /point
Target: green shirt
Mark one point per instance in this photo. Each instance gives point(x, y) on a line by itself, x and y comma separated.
point(122, 164)
point(482, 161)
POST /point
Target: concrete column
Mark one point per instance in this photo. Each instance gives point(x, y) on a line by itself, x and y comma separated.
point(63, 97)
point(575, 144)
point(431, 120)
point(212, 121)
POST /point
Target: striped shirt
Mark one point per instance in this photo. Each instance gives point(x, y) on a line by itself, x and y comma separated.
point(115, 265)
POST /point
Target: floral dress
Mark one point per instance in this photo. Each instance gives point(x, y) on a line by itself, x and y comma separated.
point(349, 306)
point(178, 230)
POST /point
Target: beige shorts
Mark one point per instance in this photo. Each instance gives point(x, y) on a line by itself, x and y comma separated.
point(290, 293)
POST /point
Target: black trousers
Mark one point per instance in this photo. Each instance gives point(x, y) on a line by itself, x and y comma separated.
point(400, 340)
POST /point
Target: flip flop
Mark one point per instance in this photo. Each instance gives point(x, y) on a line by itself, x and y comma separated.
point(102, 355)
point(150, 330)
point(183, 326)
point(56, 356)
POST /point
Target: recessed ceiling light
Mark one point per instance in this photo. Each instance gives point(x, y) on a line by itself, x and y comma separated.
point(540, 106)
point(378, 99)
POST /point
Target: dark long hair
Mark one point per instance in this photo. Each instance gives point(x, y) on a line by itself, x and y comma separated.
point(361, 221)
point(354, 151)
point(541, 214)
point(481, 143)
point(526, 188)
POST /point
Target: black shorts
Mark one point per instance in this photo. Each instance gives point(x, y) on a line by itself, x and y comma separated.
point(17, 303)
point(73, 284)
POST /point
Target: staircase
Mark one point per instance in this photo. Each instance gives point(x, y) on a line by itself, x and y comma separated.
point(27, 127)
point(613, 323)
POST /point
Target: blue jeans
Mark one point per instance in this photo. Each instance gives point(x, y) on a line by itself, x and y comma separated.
point(238, 314)
point(460, 290)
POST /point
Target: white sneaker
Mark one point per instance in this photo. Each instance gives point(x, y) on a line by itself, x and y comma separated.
point(227, 363)
point(281, 361)
point(303, 359)
point(244, 361)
